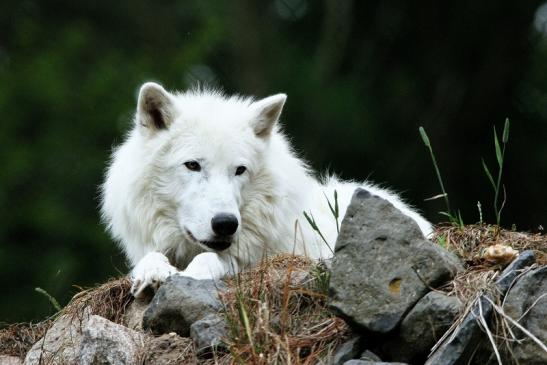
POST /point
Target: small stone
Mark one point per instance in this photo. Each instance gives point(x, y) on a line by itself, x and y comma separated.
point(369, 356)
point(181, 301)
point(424, 325)
point(208, 334)
point(105, 342)
point(383, 265)
point(347, 351)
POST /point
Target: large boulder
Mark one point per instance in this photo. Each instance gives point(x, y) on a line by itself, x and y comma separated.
point(105, 342)
point(526, 303)
point(181, 301)
point(424, 325)
point(383, 265)
point(61, 343)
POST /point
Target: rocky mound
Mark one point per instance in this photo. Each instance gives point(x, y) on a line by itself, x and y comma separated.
point(388, 296)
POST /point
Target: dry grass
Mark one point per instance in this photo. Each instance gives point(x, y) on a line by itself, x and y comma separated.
point(277, 314)
point(478, 279)
point(18, 338)
point(108, 300)
point(470, 243)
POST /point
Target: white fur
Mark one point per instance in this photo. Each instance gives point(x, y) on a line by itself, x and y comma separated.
point(153, 203)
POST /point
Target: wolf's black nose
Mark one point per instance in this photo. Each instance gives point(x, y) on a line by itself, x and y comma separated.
point(224, 224)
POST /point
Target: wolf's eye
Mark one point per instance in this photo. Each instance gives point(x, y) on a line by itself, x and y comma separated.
point(240, 170)
point(192, 166)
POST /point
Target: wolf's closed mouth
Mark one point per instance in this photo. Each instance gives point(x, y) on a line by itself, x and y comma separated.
point(218, 245)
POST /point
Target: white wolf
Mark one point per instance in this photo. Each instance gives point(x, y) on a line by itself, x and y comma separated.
point(208, 184)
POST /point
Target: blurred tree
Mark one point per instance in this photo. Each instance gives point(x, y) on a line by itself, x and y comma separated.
point(361, 78)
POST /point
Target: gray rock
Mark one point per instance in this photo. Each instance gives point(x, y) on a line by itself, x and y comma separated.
point(383, 265)
point(181, 301)
point(10, 360)
point(424, 325)
point(60, 344)
point(134, 312)
point(368, 355)
point(208, 333)
point(469, 337)
point(105, 342)
point(347, 351)
point(526, 303)
point(460, 347)
point(513, 270)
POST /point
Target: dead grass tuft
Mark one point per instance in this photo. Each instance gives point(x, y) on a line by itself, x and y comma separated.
point(471, 241)
point(476, 284)
point(18, 338)
point(108, 300)
point(277, 313)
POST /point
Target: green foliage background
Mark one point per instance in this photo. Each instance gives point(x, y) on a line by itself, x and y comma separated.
point(361, 77)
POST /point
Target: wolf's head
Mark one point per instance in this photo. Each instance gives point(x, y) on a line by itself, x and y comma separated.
point(205, 150)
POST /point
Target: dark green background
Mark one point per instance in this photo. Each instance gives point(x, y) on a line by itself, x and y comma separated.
point(361, 77)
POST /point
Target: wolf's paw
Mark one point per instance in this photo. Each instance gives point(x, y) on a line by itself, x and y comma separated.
point(150, 272)
point(205, 266)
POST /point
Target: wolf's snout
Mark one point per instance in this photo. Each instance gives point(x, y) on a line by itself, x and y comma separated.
point(224, 224)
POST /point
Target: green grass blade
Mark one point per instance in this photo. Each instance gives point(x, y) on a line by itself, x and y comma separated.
point(505, 137)
point(245, 321)
point(488, 174)
point(452, 219)
point(313, 225)
point(51, 299)
point(499, 155)
point(441, 240)
point(479, 207)
point(460, 219)
point(425, 138)
point(336, 210)
point(333, 212)
point(310, 220)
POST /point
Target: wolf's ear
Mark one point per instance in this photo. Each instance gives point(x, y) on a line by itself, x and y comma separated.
point(267, 112)
point(155, 108)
